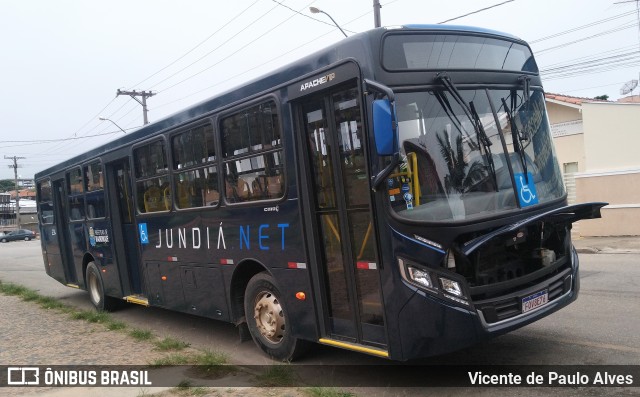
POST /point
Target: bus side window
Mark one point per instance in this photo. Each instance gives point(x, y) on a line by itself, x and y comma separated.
point(195, 172)
point(252, 154)
point(152, 179)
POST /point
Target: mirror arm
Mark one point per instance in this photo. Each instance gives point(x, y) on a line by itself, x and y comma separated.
point(380, 176)
point(379, 88)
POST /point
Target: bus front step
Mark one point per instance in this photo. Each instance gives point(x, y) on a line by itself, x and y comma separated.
point(137, 299)
point(355, 347)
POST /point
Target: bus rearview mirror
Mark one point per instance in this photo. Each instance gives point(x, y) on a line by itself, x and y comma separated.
point(384, 130)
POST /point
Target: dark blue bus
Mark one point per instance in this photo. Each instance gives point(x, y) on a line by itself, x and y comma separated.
point(395, 194)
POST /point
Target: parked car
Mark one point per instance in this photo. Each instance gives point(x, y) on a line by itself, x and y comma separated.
point(20, 234)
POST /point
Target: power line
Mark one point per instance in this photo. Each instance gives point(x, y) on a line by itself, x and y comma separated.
point(199, 44)
point(309, 16)
point(618, 29)
point(251, 24)
point(306, 44)
point(62, 139)
point(580, 27)
point(475, 12)
point(232, 54)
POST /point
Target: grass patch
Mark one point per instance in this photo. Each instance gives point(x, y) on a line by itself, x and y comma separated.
point(277, 376)
point(327, 392)
point(115, 325)
point(211, 359)
point(211, 365)
point(140, 334)
point(47, 302)
point(30, 295)
point(185, 388)
point(168, 343)
point(172, 359)
point(13, 289)
point(92, 316)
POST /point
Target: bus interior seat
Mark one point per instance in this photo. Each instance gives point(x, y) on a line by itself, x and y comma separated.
point(274, 186)
point(211, 197)
point(243, 189)
point(153, 199)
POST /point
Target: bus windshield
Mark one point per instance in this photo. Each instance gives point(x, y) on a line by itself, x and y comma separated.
point(460, 165)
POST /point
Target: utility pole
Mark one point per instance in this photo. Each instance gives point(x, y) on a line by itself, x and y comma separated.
point(376, 13)
point(144, 94)
point(15, 178)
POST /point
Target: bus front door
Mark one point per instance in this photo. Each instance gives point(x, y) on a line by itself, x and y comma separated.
point(123, 225)
point(345, 242)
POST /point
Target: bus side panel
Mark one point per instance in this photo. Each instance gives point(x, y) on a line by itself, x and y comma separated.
point(302, 312)
point(52, 259)
point(204, 291)
point(164, 286)
point(99, 239)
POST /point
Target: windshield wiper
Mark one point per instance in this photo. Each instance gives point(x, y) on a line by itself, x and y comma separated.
point(517, 139)
point(474, 118)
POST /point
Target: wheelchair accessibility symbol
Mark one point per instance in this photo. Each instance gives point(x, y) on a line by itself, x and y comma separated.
point(527, 194)
point(144, 235)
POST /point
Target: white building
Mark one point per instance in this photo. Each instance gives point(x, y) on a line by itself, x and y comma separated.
point(598, 144)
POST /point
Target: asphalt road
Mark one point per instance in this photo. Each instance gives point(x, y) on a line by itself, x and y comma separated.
point(602, 327)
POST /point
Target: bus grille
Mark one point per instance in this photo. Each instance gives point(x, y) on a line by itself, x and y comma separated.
point(506, 307)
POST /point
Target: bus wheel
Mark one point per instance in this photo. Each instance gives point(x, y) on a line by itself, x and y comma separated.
point(95, 287)
point(268, 320)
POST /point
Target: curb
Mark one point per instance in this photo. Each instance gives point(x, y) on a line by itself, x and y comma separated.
point(607, 250)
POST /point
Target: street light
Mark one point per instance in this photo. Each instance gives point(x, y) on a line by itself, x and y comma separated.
point(113, 122)
point(315, 10)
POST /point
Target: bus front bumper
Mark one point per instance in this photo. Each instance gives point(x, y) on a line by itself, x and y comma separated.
point(429, 326)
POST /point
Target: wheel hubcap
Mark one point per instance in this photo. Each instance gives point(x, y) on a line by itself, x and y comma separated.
point(269, 317)
point(94, 288)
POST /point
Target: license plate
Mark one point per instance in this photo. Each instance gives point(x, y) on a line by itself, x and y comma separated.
point(535, 301)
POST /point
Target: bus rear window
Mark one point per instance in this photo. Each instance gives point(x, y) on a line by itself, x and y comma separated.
point(455, 51)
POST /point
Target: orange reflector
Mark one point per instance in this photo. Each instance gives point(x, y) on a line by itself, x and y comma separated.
point(301, 295)
point(104, 270)
point(164, 278)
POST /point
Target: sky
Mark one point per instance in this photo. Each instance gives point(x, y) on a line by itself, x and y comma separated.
point(61, 62)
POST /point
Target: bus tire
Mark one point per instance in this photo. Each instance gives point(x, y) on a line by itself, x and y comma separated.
point(95, 287)
point(268, 320)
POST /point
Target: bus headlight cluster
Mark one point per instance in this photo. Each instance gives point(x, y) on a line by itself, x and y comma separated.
point(433, 282)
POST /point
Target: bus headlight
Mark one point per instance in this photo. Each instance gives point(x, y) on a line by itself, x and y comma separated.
point(451, 286)
point(433, 281)
point(420, 277)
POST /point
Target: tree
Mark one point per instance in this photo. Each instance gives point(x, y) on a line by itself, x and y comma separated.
point(462, 175)
point(602, 97)
point(7, 185)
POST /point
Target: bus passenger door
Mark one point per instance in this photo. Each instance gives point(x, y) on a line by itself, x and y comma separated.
point(122, 217)
point(345, 243)
point(62, 232)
